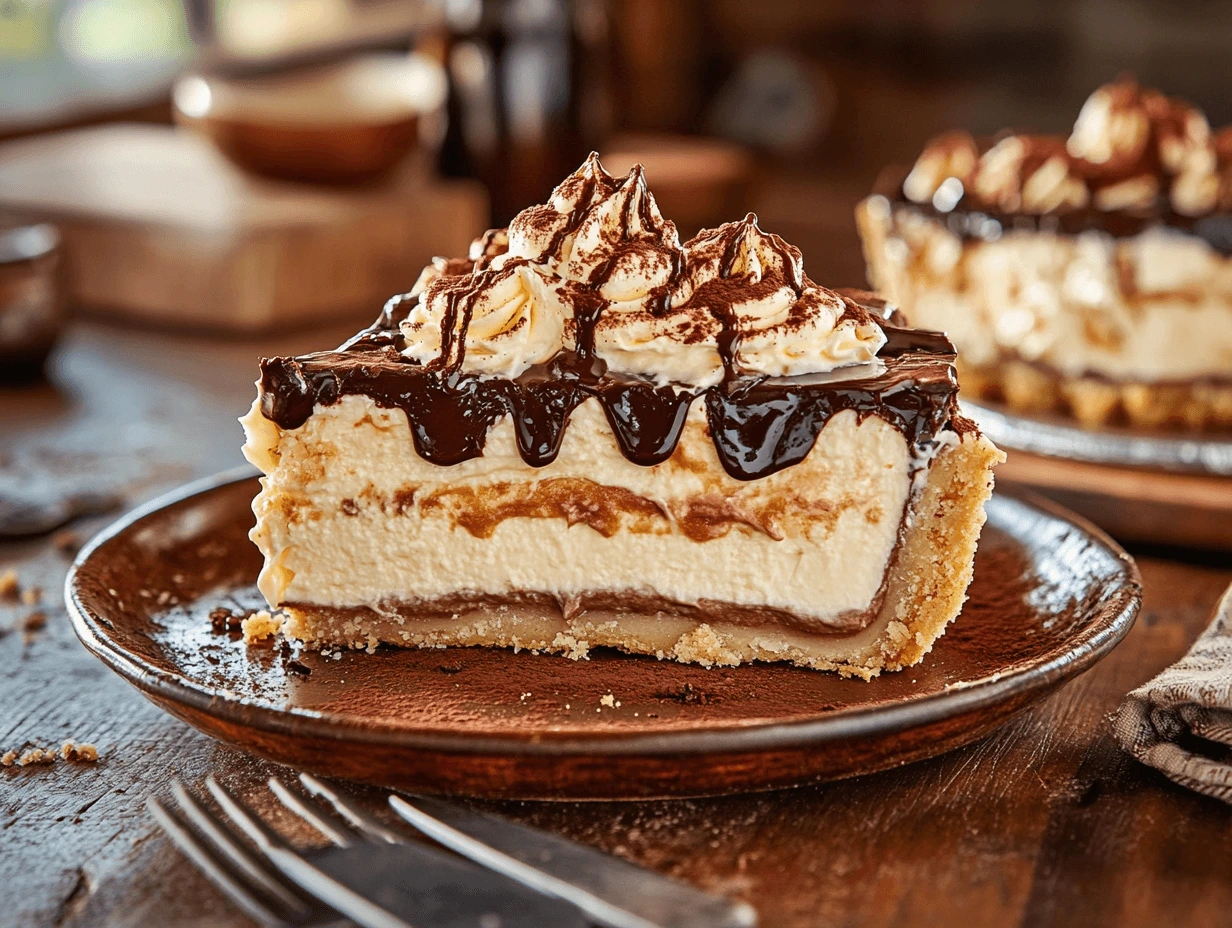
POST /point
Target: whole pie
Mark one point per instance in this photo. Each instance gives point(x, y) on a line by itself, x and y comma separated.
point(587, 434)
point(1090, 274)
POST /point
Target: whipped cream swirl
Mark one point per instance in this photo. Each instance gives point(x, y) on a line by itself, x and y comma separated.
point(510, 323)
point(1130, 148)
point(598, 271)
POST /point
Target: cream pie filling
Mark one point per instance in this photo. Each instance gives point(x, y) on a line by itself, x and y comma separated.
point(1154, 308)
point(588, 433)
point(347, 516)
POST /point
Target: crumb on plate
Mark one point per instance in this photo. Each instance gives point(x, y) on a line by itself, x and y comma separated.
point(260, 625)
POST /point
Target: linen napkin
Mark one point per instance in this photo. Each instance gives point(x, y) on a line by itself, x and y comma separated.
point(1181, 721)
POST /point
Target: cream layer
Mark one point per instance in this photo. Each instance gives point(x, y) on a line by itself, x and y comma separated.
point(351, 516)
point(1152, 308)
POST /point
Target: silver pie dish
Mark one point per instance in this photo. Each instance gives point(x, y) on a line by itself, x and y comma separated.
point(1054, 436)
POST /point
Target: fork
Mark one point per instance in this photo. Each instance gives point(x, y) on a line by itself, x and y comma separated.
point(234, 869)
point(371, 874)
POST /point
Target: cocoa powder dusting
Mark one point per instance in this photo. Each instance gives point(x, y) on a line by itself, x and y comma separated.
point(758, 427)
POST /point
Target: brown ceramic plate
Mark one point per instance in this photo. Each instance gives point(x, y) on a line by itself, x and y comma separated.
point(1051, 597)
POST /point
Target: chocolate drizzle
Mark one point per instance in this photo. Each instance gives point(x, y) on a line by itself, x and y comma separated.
point(760, 428)
point(977, 221)
point(759, 425)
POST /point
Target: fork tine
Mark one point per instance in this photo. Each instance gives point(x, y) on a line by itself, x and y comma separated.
point(359, 819)
point(239, 856)
point(312, 816)
point(597, 908)
point(214, 868)
point(296, 867)
point(261, 834)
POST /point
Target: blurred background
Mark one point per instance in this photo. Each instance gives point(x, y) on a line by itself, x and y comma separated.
point(809, 99)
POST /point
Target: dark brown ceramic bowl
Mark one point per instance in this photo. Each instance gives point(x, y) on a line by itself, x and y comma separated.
point(347, 123)
point(32, 306)
point(1051, 596)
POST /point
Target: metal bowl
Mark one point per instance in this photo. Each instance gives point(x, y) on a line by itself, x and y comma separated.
point(1053, 436)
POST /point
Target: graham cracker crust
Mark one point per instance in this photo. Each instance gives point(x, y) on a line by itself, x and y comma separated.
point(924, 592)
point(1096, 402)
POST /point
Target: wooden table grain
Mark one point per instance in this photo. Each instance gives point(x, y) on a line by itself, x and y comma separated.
point(1045, 823)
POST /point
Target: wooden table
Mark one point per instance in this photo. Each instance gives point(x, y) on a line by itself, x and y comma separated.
point(1046, 822)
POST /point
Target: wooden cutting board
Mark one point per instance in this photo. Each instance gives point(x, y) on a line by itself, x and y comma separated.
point(160, 228)
point(1132, 504)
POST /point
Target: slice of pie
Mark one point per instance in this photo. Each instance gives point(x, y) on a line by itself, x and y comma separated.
point(1091, 274)
point(587, 434)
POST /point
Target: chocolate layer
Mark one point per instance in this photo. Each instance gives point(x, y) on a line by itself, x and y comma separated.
point(970, 219)
point(633, 602)
point(759, 425)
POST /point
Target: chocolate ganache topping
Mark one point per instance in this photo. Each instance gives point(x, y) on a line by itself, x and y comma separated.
point(1135, 159)
point(592, 295)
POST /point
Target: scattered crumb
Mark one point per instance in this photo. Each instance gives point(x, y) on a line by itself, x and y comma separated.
point(66, 541)
point(687, 694)
point(80, 753)
point(32, 595)
point(450, 668)
point(609, 700)
point(523, 697)
point(10, 588)
point(260, 625)
point(223, 620)
point(337, 655)
point(36, 756)
point(33, 623)
point(72, 751)
point(567, 706)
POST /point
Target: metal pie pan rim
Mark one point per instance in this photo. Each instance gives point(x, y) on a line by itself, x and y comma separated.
point(1052, 437)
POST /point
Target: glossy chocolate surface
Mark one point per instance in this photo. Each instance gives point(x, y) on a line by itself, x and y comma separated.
point(759, 425)
point(972, 220)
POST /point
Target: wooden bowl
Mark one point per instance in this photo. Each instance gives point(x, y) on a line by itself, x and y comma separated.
point(345, 123)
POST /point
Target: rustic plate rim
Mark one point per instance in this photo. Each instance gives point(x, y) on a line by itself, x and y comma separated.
point(1118, 447)
point(1092, 643)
